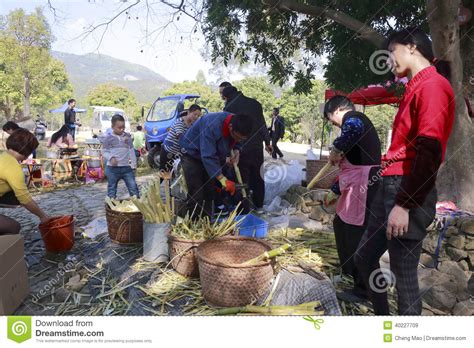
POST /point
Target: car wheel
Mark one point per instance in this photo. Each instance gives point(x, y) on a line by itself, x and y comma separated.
point(154, 157)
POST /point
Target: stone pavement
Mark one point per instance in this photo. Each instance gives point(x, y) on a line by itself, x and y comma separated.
point(50, 272)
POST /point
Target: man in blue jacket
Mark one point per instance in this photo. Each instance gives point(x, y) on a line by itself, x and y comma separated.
point(206, 148)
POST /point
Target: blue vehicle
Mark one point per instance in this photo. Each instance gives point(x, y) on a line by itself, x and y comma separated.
point(161, 116)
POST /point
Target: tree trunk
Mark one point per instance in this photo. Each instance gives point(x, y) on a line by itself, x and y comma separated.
point(467, 55)
point(456, 177)
point(26, 97)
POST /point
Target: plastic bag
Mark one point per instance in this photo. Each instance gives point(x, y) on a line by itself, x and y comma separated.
point(278, 206)
point(311, 155)
point(279, 177)
point(277, 222)
point(95, 228)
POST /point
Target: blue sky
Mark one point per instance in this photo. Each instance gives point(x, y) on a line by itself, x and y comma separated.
point(167, 53)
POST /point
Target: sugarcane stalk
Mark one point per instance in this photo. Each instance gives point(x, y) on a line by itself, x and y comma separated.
point(168, 197)
point(267, 255)
point(308, 308)
point(238, 175)
point(320, 174)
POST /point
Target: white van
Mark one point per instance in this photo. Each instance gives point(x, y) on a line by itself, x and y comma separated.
point(101, 117)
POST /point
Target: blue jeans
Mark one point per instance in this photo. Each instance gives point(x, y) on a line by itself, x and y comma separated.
point(115, 174)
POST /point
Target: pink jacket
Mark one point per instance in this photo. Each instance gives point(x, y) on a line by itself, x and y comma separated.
point(60, 143)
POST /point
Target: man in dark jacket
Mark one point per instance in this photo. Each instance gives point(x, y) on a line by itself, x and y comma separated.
point(70, 117)
point(251, 156)
point(206, 148)
point(277, 131)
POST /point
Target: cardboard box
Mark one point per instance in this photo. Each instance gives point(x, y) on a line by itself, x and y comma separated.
point(11, 250)
point(14, 287)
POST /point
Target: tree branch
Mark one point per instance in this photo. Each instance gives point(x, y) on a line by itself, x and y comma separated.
point(364, 31)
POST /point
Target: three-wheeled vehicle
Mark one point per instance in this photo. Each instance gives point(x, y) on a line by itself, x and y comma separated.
point(161, 116)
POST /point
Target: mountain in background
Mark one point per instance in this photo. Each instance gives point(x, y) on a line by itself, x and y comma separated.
point(89, 70)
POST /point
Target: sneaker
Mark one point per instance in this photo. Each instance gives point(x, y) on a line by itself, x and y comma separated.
point(221, 211)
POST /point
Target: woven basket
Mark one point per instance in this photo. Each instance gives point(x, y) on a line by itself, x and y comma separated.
point(226, 283)
point(314, 166)
point(124, 228)
point(183, 255)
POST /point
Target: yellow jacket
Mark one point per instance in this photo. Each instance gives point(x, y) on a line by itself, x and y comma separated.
point(12, 178)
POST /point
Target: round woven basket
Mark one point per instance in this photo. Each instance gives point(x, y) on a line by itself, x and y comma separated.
point(226, 283)
point(314, 166)
point(124, 228)
point(183, 255)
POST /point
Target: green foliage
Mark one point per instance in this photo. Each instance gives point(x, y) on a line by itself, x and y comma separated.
point(108, 94)
point(303, 118)
point(31, 81)
point(287, 42)
point(382, 117)
point(259, 88)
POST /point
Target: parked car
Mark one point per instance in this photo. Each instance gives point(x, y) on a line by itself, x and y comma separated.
point(101, 117)
point(161, 116)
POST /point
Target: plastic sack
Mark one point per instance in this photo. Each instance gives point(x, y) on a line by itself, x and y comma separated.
point(278, 222)
point(311, 155)
point(279, 177)
point(155, 242)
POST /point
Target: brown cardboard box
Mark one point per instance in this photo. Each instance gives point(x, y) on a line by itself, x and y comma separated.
point(11, 250)
point(14, 285)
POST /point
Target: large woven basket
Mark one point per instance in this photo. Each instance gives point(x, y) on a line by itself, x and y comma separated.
point(226, 283)
point(124, 228)
point(314, 166)
point(183, 255)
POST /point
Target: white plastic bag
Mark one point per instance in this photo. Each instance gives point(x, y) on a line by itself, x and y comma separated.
point(95, 227)
point(279, 177)
point(311, 155)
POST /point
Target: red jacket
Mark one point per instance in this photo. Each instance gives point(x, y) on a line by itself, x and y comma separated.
point(425, 115)
point(427, 109)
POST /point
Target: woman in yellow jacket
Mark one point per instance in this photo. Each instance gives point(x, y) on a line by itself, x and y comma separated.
point(13, 190)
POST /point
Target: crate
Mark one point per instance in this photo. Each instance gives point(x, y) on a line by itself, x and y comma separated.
point(252, 226)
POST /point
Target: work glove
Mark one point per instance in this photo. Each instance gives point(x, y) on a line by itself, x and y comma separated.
point(330, 199)
point(228, 185)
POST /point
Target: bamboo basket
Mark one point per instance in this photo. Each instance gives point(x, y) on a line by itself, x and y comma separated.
point(124, 228)
point(314, 166)
point(227, 283)
point(183, 255)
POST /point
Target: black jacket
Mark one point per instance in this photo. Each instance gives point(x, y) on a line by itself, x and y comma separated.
point(279, 128)
point(240, 104)
point(69, 116)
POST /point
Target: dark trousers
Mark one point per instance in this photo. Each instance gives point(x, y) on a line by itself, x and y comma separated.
point(404, 252)
point(200, 186)
point(7, 224)
point(166, 160)
point(347, 240)
point(115, 174)
point(9, 198)
point(250, 164)
point(276, 151)
point(72, 130)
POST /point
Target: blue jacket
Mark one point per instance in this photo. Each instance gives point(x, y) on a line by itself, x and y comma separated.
point(205, 141)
